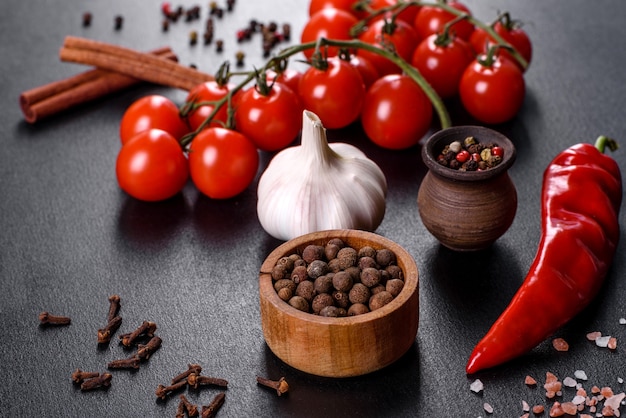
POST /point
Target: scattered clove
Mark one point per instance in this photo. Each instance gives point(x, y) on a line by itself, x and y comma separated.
point(195, 381)
point(87, 16)
point(79, 376)
point(210, 410)
point(103, 380)
point(191, 368)
point(147, 328)
point(119, 21)
point(145, 351)
point(192, 410)
point(281, 386)
point(114, 307)
point(46, 318)
point(127, 363)
point(105, 334)
point(162, 391)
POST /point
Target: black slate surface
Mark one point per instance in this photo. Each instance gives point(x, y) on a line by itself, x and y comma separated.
point(70, 238)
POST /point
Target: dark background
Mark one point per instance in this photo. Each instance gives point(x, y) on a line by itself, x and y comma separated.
point(69, 237)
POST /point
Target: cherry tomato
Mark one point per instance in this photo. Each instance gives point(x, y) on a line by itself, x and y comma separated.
point(222, 162)
point(511, 32)
point(210, 91)
point(492, 92)
point(334, 94)
point(152, 166)
point(442, 62)
point(407, 15)
point(403, 38)
point(288, 77)
point(270, 121)
point(328, 23)
point(345, 5)
point(152, 112)
point(368, 72)
point(432, 19)
point(396, 112)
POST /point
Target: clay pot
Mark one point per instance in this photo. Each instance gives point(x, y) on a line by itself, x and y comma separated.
point(340, 347)
point(467, 210)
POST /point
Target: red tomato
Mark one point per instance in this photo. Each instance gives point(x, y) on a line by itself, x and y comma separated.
point(328, 23)
point(511, 32)
point(289, 77)
point(335, 94)
point(152, 166)
point(407, 15)
point(403, 38)
point(222, 162)
point(396, 113)
point(270, 121)
point(442, 63)
point(432, 19)
point(210, 91)
point(345, 5)
point(492, 93)
point(152, 112)
point(368, 72)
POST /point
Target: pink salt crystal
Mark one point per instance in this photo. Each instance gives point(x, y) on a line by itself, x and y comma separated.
point(606, 391)
point(603, 341)
point(526, 415)
point(556, 410)
point(560, 344)
point(578, 400)
point(538, 409)
point(525, 406)
point(585, 416)
point(476, 386)
point(488, 408)
point(615, 401)
point(569, 408)
point(569, 382)
point(612, 344)
point(530, 381)
point(607, 411)
point(580, 374)
point(592, 336)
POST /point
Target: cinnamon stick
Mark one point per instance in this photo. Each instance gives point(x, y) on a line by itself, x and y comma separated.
point(49, 99)
point(131, 63)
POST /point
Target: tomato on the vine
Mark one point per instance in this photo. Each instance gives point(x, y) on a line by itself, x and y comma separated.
point(335, 94)
point(396, 113)
point(407, 15)
point(222, 162)
point(152, 166)
point(328, 23)
point(152, 112)
point(382, 33)
point(432, 19)
point(210, 91)
point(289, 77)
point(492, 89)
point(511, 31)
point(270, 117)
point(368, 71)
point(345, 5)
point(442, 59)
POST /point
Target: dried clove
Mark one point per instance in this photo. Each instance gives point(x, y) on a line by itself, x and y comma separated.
point(105, 334)
point(119, 21)
point(114, 307)
point(46, 318)
point(281, 386)
point(162, 391)
point(127, 363)
point(210, 410)
point(180, 410)
point(79, 376)
point(103, 380)
point(196, 380)
point(191, 368)
point(192, 410)
point(145, 351)
point(147, 328)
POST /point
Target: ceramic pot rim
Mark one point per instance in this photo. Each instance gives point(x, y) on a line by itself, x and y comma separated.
point(435, 143)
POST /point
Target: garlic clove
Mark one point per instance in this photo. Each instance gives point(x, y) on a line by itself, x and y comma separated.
point(318, 186)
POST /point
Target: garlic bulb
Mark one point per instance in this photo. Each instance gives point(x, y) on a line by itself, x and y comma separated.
point(319, 186)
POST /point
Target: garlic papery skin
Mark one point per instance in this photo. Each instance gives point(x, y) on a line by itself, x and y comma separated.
point(317, 186)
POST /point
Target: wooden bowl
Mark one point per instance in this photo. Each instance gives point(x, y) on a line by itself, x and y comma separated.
point(347, 346)
point(467, 210)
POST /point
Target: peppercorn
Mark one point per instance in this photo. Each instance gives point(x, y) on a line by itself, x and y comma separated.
point(331, 250)
point(279, 284)
point(367, 251)
point(342, 299)
point(394, 286)
point(334, 265)
point(366, 262)
point(208, 37)
point(316, 269)
point(299, 274)
point(379, 300)
point(333, 312)
point(395, 272)
point(370, 277)
point(312, 253)
point(306, 289)
point(385, 257)
point(323, 284)
point(321, 301)
point(165, 25)
point(285, 293)
point(358, 309)
point(347, 257)
point(377, 289)
point(359, 294)
point(299, 303)
point(286, 31)
point(342, 281)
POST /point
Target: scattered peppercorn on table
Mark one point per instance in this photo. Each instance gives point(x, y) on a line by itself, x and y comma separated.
point(83, 264)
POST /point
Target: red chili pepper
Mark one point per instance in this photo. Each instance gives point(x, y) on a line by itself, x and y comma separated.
point(581, 198)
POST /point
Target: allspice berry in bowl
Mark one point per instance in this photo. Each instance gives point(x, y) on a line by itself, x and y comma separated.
point(369, 320)
point(467, 199)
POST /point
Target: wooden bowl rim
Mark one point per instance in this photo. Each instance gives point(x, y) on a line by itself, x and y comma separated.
point(435, 143)
point(404, 260)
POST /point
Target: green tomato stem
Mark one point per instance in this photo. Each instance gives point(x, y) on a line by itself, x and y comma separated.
point(604, 141)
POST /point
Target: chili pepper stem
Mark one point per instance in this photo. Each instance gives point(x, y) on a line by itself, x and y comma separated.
point(604, 141)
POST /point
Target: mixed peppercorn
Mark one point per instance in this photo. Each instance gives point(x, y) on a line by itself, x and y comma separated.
point(336, 280)
point(470, 155)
